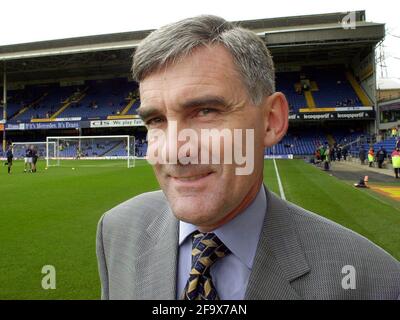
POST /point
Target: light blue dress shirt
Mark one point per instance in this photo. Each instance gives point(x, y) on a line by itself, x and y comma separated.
point(230, 274)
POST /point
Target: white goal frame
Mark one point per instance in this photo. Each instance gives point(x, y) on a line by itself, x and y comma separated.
point(129, 158)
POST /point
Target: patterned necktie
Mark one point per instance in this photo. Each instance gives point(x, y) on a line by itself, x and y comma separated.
point(207, 249)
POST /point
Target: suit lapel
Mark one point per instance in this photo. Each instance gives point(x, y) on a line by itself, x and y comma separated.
point(156, 268)
point(279, 257)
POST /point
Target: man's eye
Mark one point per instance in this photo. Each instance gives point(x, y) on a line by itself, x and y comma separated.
point(206, 111)
point(154, 121)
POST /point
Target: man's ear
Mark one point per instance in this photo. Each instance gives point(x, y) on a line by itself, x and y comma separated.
point(276, 118)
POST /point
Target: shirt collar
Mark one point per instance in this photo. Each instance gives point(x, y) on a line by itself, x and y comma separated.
point(242, 233)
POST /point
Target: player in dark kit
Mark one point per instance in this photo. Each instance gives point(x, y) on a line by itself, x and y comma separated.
point(34, 158)
point(28, 159)
point(10, 157)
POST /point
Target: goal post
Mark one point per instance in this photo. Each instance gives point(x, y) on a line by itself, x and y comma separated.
point(113, 147)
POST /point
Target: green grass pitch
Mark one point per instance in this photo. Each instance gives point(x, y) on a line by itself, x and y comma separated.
point(50, 218)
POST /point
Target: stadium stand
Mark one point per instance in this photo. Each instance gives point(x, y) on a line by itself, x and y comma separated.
point(345, 136)
point(326, 88)
point(133, 109)
point(97, 98)
point(103, 98)
point(285, 82)
point(19, 101)
point(297, 143)
point(389, 144)
point(333, 89)
point(48, 105)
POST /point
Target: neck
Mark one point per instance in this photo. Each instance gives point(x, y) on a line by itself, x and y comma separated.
point(251, 195)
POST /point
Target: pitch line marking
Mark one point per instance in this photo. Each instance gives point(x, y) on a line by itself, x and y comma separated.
point(279, 181)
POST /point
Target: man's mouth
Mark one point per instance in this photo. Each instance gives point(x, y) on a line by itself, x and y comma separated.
point(192, 177)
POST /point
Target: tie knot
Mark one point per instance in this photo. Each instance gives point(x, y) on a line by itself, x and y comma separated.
point(207, 248)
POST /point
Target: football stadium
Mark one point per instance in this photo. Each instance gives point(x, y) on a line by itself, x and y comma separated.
point(74, 103)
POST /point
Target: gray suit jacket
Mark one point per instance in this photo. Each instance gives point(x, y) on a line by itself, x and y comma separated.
point(300, 255)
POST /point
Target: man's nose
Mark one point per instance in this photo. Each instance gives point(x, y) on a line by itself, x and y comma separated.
point(182, 143)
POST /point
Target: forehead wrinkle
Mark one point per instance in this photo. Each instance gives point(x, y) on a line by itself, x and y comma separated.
point(219, 77)
point(203, 62)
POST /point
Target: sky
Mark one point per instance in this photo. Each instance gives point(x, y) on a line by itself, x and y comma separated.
point(34, 20)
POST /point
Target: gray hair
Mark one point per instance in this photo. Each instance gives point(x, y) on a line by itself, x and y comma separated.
point(175, 41)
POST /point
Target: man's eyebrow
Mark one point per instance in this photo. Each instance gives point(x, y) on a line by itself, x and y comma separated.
point(210, 101)
point(205, 101)
point(147, 112)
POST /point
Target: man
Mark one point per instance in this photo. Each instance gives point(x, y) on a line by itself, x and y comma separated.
point(394, 132)
point(327, 157)
point(339, 153)
point(396, 162)
point(363, 183)
point(10, 156)
point(34, 158)
point(371, 156)
point(345, 152)
point(361, 154)
point(212, 233)
point(28, 159)
point(381, 156)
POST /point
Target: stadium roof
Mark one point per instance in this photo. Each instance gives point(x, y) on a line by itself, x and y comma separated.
point(310, 38)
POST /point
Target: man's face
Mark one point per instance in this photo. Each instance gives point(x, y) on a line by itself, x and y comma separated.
point(203, 91)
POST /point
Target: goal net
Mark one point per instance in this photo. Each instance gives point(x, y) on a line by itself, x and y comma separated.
point(20, 148)
point(117, 150)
